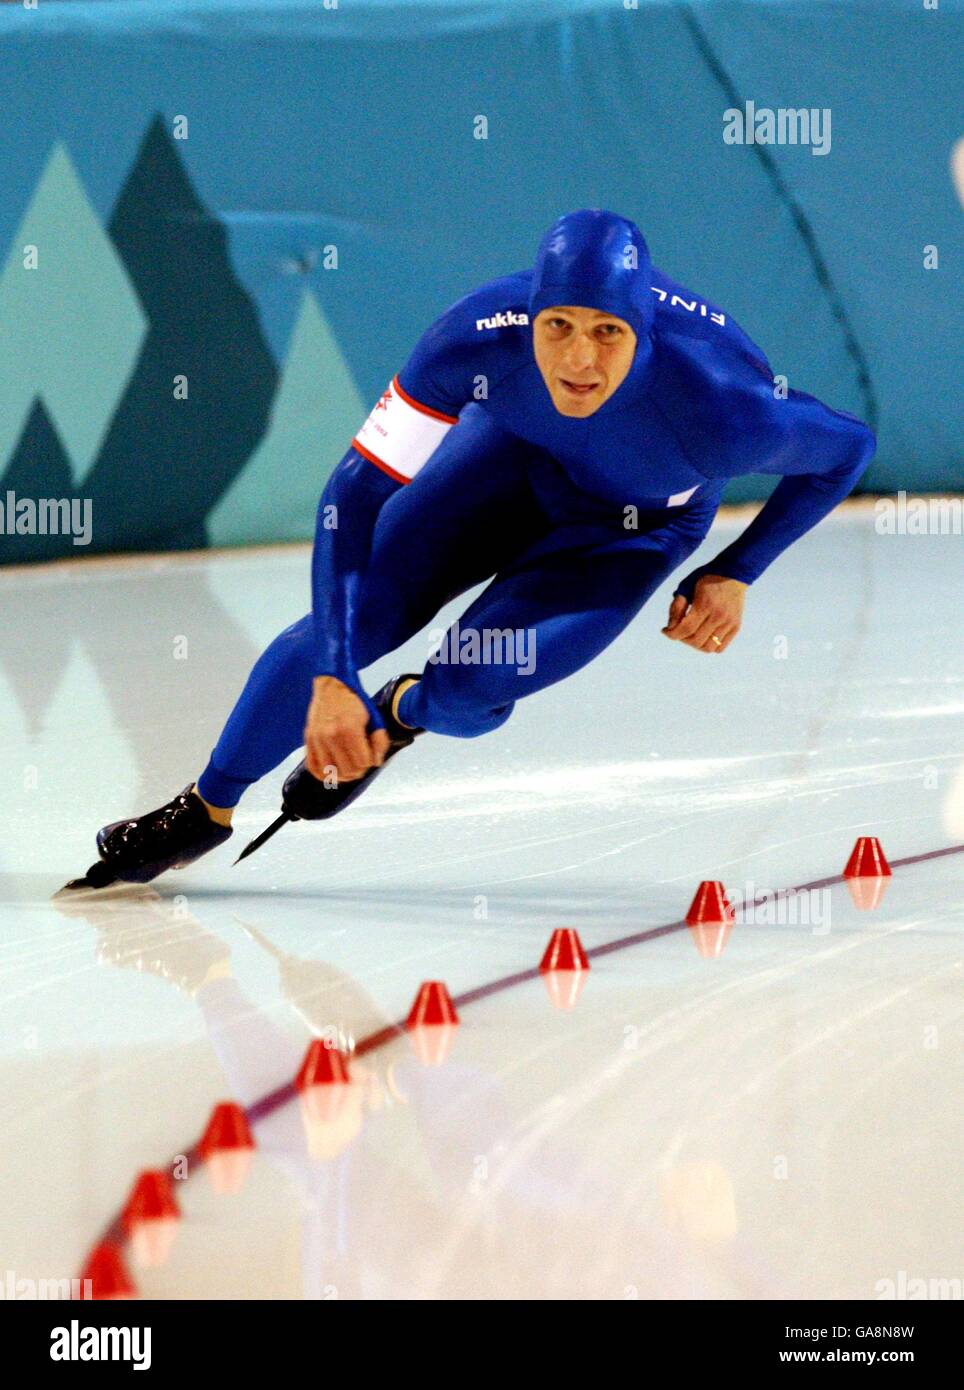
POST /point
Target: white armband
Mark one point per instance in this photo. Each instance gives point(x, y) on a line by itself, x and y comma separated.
point(400, 435)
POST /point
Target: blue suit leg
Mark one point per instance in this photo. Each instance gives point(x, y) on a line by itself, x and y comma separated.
point(562, 603)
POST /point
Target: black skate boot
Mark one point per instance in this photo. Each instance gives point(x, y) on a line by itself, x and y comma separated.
point(137, 850)
point(304, 797)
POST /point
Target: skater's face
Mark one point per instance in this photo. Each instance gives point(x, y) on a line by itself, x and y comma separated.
point(583, 355)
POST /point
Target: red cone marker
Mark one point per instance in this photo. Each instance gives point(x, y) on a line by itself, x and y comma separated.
point(867, 860)
point(323, 1066)
point(433, 1007)
point(564, 951)
point(151, 1199)
point(709, 904)
point(107, 1273)
point(226, 1147)
point(226, 1129)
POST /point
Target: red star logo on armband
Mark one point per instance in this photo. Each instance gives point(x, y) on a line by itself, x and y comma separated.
point(383, 400)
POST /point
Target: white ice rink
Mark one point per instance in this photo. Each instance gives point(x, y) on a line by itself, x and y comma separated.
point(776, 1115)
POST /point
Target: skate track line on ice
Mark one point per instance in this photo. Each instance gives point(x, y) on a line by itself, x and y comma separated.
point(114, 1232)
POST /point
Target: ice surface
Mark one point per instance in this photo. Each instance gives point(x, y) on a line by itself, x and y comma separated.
point(777, 1118)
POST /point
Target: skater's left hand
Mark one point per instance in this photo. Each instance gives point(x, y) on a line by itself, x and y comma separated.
point(715, 613)
point(336, 733)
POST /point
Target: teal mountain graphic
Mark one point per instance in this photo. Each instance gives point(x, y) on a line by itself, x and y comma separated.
point(316, 413)
point(39, 467)
point(93, 342)
point(70, 327)
point(165, 462)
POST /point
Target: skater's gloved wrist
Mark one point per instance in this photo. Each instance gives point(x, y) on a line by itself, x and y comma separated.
point(351, 681)
point(687, 587)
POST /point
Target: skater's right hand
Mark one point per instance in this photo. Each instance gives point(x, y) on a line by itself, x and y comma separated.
point(336, 733)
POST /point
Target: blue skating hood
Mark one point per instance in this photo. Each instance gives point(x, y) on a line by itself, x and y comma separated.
point(596, 259)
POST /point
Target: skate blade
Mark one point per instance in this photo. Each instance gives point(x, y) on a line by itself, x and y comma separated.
point(82, 890)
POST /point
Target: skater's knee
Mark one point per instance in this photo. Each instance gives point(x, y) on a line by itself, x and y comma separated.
point(465, 721)
point(472, 722)
point(455, 702)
